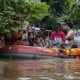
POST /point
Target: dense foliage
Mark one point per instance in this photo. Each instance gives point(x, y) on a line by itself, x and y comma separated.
point(61, 10)
point(13, 12)
point(32, 11)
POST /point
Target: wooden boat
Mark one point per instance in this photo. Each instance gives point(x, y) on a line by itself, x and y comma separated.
point(22, 51)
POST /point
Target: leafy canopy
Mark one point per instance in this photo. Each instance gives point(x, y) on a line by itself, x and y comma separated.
point(32, 11)
point(13, 12)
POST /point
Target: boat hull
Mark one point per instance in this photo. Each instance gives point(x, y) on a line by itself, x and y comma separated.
point(20, 51)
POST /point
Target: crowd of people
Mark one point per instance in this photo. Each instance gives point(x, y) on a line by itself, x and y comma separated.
point(43, 38)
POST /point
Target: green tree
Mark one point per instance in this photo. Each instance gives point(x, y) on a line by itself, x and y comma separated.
point(14, 11)
point(75, 11)
point(57, 12)
point(32, 11)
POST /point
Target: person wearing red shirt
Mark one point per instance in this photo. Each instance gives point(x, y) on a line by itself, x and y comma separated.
point(58, 37)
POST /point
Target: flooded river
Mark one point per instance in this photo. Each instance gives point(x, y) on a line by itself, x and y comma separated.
point(51, 69)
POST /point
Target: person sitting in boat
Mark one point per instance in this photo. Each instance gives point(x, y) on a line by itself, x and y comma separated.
point(31, 39)
point(58, 37)
point(29, 36)
point(25, 36)
point(42, 32)
point(70, 34)
point(47, 40)
point(39, 41)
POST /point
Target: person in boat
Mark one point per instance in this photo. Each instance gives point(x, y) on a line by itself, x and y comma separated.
point(24, 37)
point(29, 36)
point(70, 35)
point(47, 40)
point(58, 37)
point(42, 32)
point(31, 39)
point(39, 42)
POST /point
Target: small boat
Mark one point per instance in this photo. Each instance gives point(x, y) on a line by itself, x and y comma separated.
point(72, 52)
point(22, 51)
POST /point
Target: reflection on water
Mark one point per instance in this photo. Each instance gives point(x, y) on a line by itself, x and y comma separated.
point(56, 69)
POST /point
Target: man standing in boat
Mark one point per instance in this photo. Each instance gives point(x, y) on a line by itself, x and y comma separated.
point(58, 37)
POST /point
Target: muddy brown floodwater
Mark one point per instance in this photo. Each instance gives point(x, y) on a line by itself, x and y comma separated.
point(51, 69)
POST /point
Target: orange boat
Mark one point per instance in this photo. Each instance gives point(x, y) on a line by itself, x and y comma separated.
point(72, 52)
point(22, 51)
point(27, 52)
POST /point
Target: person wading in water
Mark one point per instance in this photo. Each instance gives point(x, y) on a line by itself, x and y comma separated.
point(70, 35)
